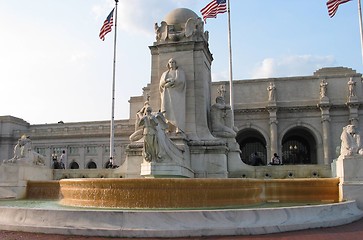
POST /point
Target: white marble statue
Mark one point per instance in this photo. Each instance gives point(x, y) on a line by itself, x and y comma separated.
point(350, 142)
point(192, 28)
point(323, 88)
point(151, 144)
point(173, 90)
point(221, 119)
point(23, 153)
point(138, 134)
point(271, 92)
point(157, 145)
point(351, 88)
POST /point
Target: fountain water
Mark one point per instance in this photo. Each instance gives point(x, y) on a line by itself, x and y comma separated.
point(194, 193)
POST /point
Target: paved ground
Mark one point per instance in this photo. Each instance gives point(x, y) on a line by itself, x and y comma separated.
point(353, 231)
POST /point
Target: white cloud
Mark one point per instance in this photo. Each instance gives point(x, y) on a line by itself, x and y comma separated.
point(291, 66)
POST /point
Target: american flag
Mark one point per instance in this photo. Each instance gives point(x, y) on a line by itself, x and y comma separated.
point(107, 26)
point(333, 6)
point(213, 8)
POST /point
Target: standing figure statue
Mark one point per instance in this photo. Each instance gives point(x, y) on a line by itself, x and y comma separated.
point(151, 144)
point(271, 92)
point(172, 90)
point(351, 87)
point(323, 88)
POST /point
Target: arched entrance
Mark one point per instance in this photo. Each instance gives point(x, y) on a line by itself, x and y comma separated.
point(299, 147)
point(91, 165)
point(250, 142)
point(74, 165)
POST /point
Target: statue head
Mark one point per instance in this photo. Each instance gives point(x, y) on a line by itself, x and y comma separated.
point(220, 100)
point(148, 110)
point(172, 64)
point(350, 128)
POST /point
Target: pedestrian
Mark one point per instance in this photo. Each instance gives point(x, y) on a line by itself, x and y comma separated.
point(55, 160)
point(63, 160)
point(276, 160)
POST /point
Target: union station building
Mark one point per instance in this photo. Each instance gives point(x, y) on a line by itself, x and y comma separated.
point(301, 120)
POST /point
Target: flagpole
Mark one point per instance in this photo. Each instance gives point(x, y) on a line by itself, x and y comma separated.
point(231, 99)
point(360, 26)
point(112, 128)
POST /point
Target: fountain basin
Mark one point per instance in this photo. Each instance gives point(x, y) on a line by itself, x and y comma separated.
point(175, 223)
point(194, 193)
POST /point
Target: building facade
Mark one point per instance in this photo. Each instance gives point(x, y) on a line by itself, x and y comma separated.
point(299, 118)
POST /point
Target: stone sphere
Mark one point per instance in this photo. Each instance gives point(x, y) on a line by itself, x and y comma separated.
point(179, 16)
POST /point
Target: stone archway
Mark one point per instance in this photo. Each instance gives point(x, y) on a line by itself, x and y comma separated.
point(299, 147)
point(91, 165)
point(251, 141)
point(74, 165)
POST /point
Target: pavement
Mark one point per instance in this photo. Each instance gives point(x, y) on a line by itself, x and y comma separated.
point(352, 231)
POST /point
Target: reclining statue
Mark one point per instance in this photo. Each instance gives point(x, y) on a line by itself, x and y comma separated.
point(23, 153)
point(351, 143)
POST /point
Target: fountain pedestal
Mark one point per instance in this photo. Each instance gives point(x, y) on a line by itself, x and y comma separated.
point(350, 171)
point(14, 178)
point(165, 170)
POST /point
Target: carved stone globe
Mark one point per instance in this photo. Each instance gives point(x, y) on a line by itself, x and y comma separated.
point(178, 17)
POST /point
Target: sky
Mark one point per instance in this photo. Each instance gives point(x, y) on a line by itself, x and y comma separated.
point(54, 67)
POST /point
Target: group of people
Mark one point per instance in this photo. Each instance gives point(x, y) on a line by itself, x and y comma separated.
point(257, 161)
point(59, 163)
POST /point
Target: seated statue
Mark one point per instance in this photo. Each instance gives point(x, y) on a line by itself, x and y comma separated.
point(221, 119)
point(137, 135)
point(351, 143)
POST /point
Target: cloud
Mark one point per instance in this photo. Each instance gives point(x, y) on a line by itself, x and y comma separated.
point(291, 66)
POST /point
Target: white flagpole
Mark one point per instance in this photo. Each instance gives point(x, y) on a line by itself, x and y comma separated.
point(112, 128)
point(360, 27)
point(231, 101)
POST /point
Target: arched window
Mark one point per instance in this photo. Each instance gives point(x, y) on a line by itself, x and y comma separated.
point(299, 147)
point(91, 164)
point(251, 142)
point(74, 165)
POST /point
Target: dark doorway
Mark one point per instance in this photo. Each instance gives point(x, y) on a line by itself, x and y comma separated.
point(299, 147)
point(251, 142)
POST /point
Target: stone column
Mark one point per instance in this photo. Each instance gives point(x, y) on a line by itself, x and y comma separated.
point(353, 106)
point(325, 120)
point(272, 109)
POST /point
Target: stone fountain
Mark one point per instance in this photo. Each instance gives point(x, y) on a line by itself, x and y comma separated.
point(183, 170)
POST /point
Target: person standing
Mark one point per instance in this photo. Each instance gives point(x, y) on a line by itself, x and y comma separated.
point(55, 160)
point(62, 160)
point(276, 160)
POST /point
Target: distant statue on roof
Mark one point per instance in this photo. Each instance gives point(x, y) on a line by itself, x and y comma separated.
point(323, 88)
point(351, 87)
point(183, 29)
point(173, 91)
point(271, 92)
